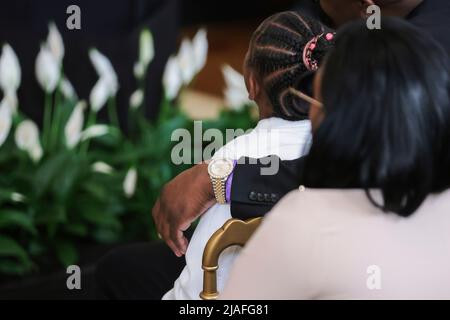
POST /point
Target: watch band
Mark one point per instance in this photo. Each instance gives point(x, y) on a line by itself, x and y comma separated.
point(219, 187)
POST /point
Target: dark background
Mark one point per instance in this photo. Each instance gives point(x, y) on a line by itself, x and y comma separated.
point(202, 11)
point(113, 27)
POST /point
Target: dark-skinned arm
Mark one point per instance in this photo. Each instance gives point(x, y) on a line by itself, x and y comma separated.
point(190, 194)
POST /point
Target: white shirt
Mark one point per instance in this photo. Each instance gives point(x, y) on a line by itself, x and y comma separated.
point(274, 136)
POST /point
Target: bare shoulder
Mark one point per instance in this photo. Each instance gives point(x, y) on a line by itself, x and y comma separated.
point(236, 147)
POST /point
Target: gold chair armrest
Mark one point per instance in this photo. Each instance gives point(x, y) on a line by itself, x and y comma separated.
point(233, 233)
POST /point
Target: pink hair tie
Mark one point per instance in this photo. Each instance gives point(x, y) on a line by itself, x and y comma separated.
point(309, 62)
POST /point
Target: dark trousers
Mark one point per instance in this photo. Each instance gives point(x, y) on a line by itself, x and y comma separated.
point(140, 271)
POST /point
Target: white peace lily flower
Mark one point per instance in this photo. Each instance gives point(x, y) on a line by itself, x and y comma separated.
point(94, 131)
point(17, 197)
point(102, 167)
point(101, 63)
point(36, 153)
point(74, 125)
point(27, 139)
point(129, 184)
point(5, 121)
point(236, 94)
point(47, 69)
point(55, 43)
point(139, 70)
point(236, 99)
point(146, 48)
point(10, 73)
point(105, 71)
point(172, 79)
point(99, 95)
point(233, 79)
point(67, 89)
point(113, 86)
point(136, 99)
point(200, 44)
point(11, 101)
point(186, 59)
point(26, 135)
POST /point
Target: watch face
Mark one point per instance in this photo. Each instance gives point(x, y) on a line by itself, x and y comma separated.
point(220, 168)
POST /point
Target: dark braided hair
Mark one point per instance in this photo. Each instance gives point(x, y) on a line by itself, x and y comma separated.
point(276, 55)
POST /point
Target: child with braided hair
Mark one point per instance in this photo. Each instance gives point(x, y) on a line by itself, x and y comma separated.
point(284, 52)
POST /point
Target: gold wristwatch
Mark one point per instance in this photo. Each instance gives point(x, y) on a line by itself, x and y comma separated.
point(219, 171)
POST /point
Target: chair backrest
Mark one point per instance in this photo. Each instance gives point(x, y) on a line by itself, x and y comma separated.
point(233, 233)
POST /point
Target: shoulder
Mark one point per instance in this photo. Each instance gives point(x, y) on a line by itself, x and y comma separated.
point(344, 202)
point(322, 200)
point(303, 209)
point(346, 210)
point(235, 147)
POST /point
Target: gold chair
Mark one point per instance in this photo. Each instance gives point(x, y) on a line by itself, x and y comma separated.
point(233, 233)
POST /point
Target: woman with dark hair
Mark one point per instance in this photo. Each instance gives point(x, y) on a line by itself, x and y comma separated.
point(381, 125)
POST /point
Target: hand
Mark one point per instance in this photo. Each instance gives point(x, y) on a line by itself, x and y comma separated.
point(181, 201)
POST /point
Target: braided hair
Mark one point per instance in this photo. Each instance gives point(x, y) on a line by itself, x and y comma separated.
point(285, 51)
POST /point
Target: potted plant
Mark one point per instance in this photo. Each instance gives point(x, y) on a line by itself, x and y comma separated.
point(76, 187)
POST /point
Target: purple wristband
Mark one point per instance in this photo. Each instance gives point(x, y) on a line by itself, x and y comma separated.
point(228, 184)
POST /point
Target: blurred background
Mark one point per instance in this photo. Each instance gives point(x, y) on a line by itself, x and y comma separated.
point(114, 30)
point(82, 164)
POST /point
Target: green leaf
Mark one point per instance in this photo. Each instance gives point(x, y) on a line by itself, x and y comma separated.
point(77, 229)
point(106, 236)
point(102, 218)
point(66, 252)
point(36, 248)
point(10, 248)
point(50, 170)
point(112, 139)
point(51, 213)
point(64, 182)
point(97, 190)
point(16, 219)
point(51, 216)
point(14, 268)
point(5, 195)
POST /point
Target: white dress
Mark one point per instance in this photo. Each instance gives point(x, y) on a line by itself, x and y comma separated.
point(274, 136)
